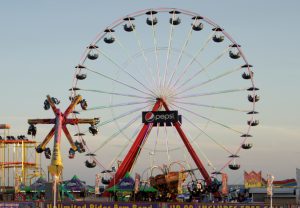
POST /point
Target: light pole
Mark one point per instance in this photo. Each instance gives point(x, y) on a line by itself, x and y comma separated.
point(270, 179)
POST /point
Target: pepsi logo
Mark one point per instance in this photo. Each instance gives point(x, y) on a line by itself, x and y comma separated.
point(149, 117)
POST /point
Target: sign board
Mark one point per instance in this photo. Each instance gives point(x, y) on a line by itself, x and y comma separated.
point(160, 118)
point(96, 204)
point(252, 179)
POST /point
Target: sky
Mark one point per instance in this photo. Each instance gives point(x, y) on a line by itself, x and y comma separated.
point(42, 41)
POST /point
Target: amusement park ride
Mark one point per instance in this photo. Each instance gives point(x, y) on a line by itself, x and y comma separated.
point(18, 161)
point(60, 122)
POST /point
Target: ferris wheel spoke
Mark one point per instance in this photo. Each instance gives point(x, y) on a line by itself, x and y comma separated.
point(115, 159)
point(167, 145)
point(213, 106)
point(204, 132)
point(89, 150)
point(119, 82)
point(125, 71)
point(182, 51)
point(149, 68)
point(155, 41)
point(208, 136)
point(141, 146)
point(213, 121)
point(240, 147)
point(194, 58)
point(98, 163)
point(187, 159)
point(114, 135)
point(207, 67)
point(209, 163)
point(156, 141)
point(140, 149)
point(169, 50)
point(118, 94)
point(154, 148)
point(209, 80)
point(131, 59)
point(122, 115)
point(212, 93)
point(225, 165)
point(126, 145)
point(116, 105)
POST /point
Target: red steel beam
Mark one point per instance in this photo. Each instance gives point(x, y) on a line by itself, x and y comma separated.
point(134, 150)
point(190, 149)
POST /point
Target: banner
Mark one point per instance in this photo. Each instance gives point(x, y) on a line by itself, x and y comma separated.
point(285, 183)
point(224, 184)
point(252, 179)
point(160, 118)
point(96, 204)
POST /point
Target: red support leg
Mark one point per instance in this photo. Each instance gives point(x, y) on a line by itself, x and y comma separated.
point(133, 152)
point(193, 153)
point(190, 149)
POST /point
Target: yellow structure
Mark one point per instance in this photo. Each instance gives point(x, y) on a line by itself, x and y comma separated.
point(252, 179)
point(18, 160)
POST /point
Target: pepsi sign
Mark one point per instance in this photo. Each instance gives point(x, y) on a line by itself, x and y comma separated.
point(161, 118)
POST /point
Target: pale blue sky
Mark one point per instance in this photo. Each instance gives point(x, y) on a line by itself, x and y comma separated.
point(41, 42)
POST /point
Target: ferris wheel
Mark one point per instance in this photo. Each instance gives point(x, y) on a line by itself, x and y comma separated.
point(169, 85)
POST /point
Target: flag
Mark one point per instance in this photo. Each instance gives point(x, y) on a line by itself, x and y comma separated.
point(137, 183)
point(224, 184)
point(97, 183)
point(181, 178)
